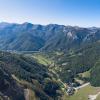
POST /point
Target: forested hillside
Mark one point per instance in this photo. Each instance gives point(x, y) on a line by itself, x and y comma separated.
point(52, 37)
point(70, 65)
point(28, 74)
point(9, 88)
point(43, 61)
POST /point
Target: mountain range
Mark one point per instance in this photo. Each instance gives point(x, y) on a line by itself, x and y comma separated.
point(41, 62)
point(30, 37)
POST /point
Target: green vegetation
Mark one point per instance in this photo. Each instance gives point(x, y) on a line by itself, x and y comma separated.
point(9, 88)
point(75, 66)
point(85, 74)
point(30, 74)
point(95, 74)
point(53, 58)
point(83, 93)
point(98, 98)
point(42, 59)
point(76, 62)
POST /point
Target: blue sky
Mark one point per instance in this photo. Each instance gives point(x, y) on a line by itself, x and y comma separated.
point(84, 13)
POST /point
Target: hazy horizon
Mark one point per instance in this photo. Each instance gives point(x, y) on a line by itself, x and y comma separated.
point(82, 13)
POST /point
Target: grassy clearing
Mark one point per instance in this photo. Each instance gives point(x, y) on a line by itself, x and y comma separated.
point(83, 93)
point(85, 74)
point(42, 59)
point(98, 98)
point(79, 81)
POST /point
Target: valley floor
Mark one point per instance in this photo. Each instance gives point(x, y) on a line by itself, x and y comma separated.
point(86, 92)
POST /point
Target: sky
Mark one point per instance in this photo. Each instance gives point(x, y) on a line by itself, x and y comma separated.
point(84, 13)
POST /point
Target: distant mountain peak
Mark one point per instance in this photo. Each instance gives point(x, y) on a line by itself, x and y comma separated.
point(32, 37)
point(27, 25)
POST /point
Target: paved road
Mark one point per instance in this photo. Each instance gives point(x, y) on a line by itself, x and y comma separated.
point(77, 88)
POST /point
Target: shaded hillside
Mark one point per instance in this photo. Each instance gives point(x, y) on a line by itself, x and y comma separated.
point(29, 74)
point(95, 74)
point(9, 89)
point(30, 37)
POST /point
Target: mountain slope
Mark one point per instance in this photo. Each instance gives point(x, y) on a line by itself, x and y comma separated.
point(69, 65)
point(95, 74)
point(29, 74)
point(9, 89)
point(30, 37)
